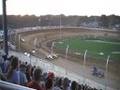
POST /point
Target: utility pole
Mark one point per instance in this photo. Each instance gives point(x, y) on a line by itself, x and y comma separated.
point(60, 28)
point(107, 62)
point(5, 29)
point(66, 52)
point(84, 65)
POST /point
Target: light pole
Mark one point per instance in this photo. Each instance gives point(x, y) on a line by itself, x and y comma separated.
point(19, 38)
point(5, 29)
point(15, 36)
point(52, 46)
point(35, 42)
point(60, 28)
point(66, 52)
point(107, 62)
point(84, 63)
point(29, 55)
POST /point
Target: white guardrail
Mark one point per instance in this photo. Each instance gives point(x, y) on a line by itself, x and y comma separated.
point(26, 29)
point(59, 71)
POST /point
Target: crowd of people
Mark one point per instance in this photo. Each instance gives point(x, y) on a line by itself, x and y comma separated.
point(17, 72)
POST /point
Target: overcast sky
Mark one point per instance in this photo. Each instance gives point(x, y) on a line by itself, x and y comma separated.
point(67, 7)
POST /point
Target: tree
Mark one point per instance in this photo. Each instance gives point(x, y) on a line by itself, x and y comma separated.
point(104, 22)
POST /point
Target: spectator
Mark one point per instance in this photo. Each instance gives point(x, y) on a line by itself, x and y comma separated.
point(26, 64)
point(35, 83)
point(2, 62)
point(2, 77)
point(79, 87)
point(31, 71)
point(45, 75)
point(49, 82)
point(51, 75)
point(23, 79)
point(7, 64)
point(60, 83)
point(66, 84)
point(74, 85)
point(28, 73)
point(13, 73)
point(57, 85)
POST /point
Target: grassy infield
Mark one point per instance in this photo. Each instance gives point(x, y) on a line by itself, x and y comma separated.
point(108, 46)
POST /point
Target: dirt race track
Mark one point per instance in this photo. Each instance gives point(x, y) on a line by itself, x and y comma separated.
point(48, 35)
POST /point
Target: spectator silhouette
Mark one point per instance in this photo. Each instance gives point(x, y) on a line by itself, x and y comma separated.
point(66, 84)
point(35, 83)
point(49, 82)
point(23, 79)
point(57, 85)
point(13, 73)
point(74, 85)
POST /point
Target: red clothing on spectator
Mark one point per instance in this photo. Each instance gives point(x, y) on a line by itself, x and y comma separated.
point(35, 85)
point(51, 75)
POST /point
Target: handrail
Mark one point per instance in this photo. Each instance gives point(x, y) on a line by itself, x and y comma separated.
point(10, 86)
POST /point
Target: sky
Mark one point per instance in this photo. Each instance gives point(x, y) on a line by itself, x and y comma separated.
point(67, 7)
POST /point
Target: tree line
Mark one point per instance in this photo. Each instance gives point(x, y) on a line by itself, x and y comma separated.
point(103, 21)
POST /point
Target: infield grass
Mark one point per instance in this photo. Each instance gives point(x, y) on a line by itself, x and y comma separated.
point(95, 46)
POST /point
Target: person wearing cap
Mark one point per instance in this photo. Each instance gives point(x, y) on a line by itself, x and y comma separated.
point(49, 81)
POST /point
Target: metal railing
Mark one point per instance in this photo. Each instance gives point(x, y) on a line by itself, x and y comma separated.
point(10, 86)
